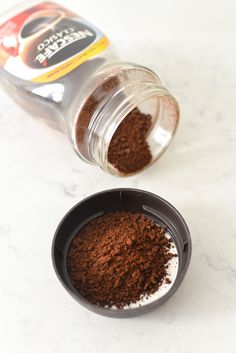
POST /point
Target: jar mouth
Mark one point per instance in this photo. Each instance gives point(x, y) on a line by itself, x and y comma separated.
point(163, 124)
point(117, 93)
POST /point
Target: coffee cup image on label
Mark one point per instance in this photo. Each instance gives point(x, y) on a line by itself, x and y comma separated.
point(48, 38)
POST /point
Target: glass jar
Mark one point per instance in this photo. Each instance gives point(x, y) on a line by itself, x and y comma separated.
point(93, 98)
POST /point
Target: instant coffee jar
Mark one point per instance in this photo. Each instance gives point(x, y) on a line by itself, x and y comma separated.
point(59, 67)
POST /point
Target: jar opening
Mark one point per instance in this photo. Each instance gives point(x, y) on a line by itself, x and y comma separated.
point(126, 122)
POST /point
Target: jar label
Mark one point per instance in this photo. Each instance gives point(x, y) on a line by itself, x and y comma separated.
point(46, 42)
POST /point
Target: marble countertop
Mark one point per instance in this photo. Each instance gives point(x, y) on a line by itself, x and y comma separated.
point(41, 178)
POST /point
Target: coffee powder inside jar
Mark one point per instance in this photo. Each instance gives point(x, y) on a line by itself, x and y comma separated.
point(119, 258)
point(128, 150)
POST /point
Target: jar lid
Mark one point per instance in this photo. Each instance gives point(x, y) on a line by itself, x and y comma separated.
point(129, 200)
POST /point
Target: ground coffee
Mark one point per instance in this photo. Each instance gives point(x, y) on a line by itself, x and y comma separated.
point(119, 258)
point(128, 151)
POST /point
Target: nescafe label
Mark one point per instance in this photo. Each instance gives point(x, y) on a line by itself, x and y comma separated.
point(47, 41)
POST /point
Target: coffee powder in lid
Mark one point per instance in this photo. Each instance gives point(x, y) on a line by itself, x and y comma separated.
point(152, 211)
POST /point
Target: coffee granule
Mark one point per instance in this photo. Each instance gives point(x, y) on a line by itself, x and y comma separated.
point(128, 151)
point(119, 258)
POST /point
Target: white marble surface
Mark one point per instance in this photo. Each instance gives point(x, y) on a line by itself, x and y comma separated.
point(41, 178)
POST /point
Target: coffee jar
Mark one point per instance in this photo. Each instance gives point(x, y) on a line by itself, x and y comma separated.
point(59, 67)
